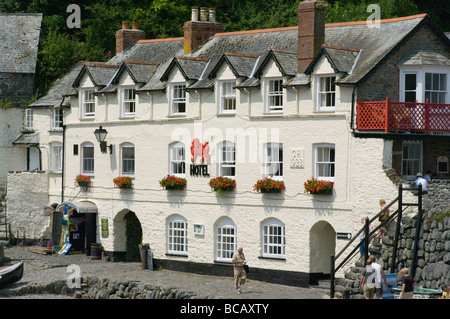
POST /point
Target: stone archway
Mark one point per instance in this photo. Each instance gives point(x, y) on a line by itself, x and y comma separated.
point(133, 234)
point(127, 235)
point(322, 243)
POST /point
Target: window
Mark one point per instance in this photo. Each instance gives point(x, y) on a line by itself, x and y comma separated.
point(274, 161)
point(177, 236)
point(88, 100)
point(128, 102)
point(326, 96)
point(227, 97)
point(410, 87)
point(227, 160)
point(274, 95)
point(225, 240)
point(88, 159)
point(127, 152)
point(177, 160)
point(56, 150)
point(56, 121)
point(411, 159)
point(178, 99)
point(435, 87)
point(325, 162)
point(417, 84)
point(274, 241)
point(28, 120)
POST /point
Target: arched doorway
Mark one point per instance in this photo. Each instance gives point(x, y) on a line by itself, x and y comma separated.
point(133, 235)
point(322, 243)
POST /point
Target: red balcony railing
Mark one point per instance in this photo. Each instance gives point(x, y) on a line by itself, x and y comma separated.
point(403, 116)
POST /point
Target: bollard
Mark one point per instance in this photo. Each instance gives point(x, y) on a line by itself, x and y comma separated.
point(2, 254)
point(144, 257)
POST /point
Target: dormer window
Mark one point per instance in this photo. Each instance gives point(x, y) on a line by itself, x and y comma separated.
point(88, 101)
point(326, 93)
point(128, 102)
point(178, 99)
point(227, 97)
point(274, 95)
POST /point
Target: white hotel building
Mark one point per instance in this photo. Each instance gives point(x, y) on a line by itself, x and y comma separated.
point(278, 103)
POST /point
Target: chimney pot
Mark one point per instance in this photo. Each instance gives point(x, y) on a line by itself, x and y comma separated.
point(194, 14)
point(212, 15)
point(203, 14)
point(124, 25)
point(135, 25)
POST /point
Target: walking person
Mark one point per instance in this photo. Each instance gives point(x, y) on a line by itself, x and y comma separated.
point(407, 285)
point(367, 282)
point(240, 275)
point(380, 279)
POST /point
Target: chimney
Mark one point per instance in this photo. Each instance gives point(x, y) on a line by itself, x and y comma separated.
point(196, 32)
point(311, 31)
point(127, 37)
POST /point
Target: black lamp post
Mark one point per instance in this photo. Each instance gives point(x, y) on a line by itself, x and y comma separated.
point(100, 134)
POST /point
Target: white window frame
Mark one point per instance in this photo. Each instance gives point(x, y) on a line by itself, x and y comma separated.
point(176, 158)
point(272, 160)
point(226, 243)
point(227, 95)
point(88, 105)
point(273, 239)
point(28, 119)
point(128, 104)
point(407, 161)
point(56, 120)
point(177, 99)
point(324, 92)
point(421, 72)
point(84, 159)
point(331, 163)
point(126, 161)
point(177, 235)
point(274, 94)
point(227, 158)
point(440, 90)
point(55, 158)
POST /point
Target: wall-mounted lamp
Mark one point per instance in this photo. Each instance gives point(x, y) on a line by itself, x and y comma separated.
point(100, 134)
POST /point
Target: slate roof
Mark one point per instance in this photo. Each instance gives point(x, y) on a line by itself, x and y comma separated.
point(353, 49)
point(19, 39)
point(60, 88)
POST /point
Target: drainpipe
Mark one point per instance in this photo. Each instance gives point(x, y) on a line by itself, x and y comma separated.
point(63, 149)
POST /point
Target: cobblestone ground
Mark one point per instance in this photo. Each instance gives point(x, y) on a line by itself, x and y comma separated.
point(41, 269)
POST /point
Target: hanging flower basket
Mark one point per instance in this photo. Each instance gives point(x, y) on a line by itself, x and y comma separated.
point(83, 180)
point(123, 181)
point(222, 184)
point(318, 187)
point(171, 182)
point(268, 185)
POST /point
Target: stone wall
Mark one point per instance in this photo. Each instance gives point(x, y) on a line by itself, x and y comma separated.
point(95, 288)
point(433, 255)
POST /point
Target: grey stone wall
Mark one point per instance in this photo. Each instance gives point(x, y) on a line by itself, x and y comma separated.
point(433, 255)
point(16, 87)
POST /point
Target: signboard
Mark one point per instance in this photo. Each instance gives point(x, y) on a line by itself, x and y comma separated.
point(346, 236)
point(105, 230)
point(391, 280)
point(199, 150)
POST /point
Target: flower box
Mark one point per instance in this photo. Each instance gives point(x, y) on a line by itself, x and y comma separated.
point(222, 184)
point(83, 180)
point(122, 181)
point(268, 185)
point(171, 182)
point(318, 187)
